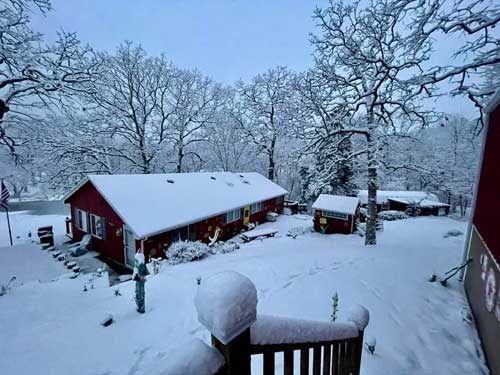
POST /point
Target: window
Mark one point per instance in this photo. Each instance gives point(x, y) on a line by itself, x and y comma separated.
point(279, 200)
point(256, 207)
point(97, 227)
point(335, 215)
point(81, 220)
point(233, 215)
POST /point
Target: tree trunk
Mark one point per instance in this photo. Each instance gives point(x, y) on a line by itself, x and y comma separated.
point(371, 219)
point(270, 174)
point(271, 170)
point(180, 157)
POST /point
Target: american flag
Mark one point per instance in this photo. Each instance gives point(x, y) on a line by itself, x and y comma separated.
point(4, 198)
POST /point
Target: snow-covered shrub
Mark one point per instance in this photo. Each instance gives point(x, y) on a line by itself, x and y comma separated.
point(298, 231)
point(392, 215)
point(453, 233)
point(224, 247)
point(185, 252)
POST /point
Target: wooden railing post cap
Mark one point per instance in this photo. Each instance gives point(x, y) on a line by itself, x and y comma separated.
point(226, 303)
point(360, 316)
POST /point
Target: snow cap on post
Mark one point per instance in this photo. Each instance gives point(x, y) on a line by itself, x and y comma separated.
point(227, 304)
point(360, 316)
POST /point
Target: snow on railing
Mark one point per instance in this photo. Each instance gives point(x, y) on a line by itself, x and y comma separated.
point(227, 306)
point(271, 330)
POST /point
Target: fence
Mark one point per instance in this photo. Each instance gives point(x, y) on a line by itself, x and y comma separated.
point(227, 307)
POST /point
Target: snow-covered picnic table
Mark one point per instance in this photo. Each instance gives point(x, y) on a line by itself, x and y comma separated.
point(253, 234)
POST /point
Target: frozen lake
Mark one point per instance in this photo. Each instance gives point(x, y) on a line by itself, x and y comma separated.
point(40, 207)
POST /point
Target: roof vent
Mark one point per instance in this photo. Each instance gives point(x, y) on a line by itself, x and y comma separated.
point(246, 182)
point(230, 184)
point(170, 181)
point(242, 176)
point(212, 178)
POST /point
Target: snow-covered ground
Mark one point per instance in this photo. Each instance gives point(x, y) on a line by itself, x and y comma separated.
point(53, 327)
point(23, 222)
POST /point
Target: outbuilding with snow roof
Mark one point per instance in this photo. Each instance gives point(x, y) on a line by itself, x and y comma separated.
point(400, 200)
point(127, 212)
point(335, 214)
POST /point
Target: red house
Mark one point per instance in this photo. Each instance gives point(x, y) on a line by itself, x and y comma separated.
point(127, 212)
point(335, 214)
point(482, 278)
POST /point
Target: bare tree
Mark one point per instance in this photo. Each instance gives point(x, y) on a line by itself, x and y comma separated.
point(34, 75)
point(375, 58)
point(193, 102)
point(265, 110)
point(128, 102)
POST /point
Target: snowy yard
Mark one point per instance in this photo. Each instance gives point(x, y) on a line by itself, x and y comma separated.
point(23, 222)
point(53, 327)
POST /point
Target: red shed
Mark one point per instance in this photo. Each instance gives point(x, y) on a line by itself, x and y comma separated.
point(127, 212)
point(335, 214)
point(482, 279)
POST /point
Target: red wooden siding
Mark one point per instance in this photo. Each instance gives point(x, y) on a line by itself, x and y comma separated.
point(488, 195)
point(88, 199)
point(482, 279)
point(154, 246)
point(334, 225)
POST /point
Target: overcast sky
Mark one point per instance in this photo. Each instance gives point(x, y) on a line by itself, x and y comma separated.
point(225, 39)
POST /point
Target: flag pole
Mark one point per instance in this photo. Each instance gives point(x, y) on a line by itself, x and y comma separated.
point(8, 225)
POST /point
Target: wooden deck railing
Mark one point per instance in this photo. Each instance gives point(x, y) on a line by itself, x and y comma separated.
point(325, 348)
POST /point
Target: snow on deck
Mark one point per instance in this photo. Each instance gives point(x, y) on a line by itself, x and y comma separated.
point(384, 195)
point(54, 327)
point(155, 203)
point(336, 203)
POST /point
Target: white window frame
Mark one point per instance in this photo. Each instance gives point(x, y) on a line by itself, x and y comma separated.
point(81, 225)
point(256, 207)
point(92, 226)
point(334, 215)
point(235, 215)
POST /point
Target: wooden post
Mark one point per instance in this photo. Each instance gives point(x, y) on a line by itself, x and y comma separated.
point(236, 354)
point(357, 354)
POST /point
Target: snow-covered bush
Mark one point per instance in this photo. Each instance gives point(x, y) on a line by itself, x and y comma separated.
point(392, 215)
point(224, 247)
point(298, 231)
point(185, 252)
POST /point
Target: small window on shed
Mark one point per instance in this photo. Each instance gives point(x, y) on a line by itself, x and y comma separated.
point(335, 215)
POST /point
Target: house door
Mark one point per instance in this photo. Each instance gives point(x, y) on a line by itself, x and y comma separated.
point(246, 215)
point(129, 244)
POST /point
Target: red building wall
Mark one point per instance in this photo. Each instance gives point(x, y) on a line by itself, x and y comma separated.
point(482, 279)
point(488, 195)
point(155, 246)
point(88, 199)
point(334, 225)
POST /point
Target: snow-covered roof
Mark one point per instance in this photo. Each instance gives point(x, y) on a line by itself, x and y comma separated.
point(336, 203)
point(384, 195)
point(421, 203)
point(154, 203)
